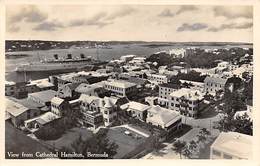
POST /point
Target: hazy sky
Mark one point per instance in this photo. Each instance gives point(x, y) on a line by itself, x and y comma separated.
point(130, 22)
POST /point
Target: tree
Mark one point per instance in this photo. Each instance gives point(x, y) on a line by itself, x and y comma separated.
point(97, 144)
point(193, 146)
point(204, 132)
point(233, 102)
point(242, 124)
point(179, 146)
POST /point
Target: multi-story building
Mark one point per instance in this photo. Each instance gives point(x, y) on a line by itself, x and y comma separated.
point(165, 90)
point(136, 110)
point(58, 106)
point(98, 111)
point(121, 88)
point(232, 145)
point(186, 101)
point(68, 91)
point(214, 84)
point(158, 78)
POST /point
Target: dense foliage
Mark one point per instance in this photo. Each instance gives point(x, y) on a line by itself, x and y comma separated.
point(56, 128)
point(97, 144)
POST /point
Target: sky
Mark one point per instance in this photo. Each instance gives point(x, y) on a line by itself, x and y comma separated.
point(175, 23)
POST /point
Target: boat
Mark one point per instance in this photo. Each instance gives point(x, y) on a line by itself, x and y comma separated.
point(59, 64)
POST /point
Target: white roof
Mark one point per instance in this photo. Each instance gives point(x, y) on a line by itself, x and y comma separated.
point(57, 100)
point(41, 83)
point(190, 94)
point(163, 116)
point(14, 108)
point(9, 83)
point(47, 117)
point(136, 106)
point(234, 143)
point(119, 83)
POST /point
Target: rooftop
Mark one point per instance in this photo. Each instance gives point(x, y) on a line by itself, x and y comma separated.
point(14, 108)
point(45, 96)
point(27, 103)
point(120, 83)
point(215, 80)
point(47, 117)
point(136, 106)
point(234, 143)
point(41, 83)
point(163, 116)
point(170, 85)
point(57, 100)
point(190, 94)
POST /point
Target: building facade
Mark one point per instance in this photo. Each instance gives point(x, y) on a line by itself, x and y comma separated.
point(165, 90)
point(186, 101)
point(121, 88)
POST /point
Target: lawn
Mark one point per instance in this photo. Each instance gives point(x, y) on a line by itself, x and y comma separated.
point(69, 137)
point(16, 141)
point(126, 143)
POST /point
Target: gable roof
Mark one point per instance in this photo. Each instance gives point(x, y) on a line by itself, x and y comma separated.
point(163, 116)
point(44, 96)
point(57, 100)
point(14, 108)
point(136, 106)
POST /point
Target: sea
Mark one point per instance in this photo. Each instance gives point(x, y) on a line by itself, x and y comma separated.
point(103, 54)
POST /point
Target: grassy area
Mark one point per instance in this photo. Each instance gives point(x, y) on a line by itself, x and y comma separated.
point(17, 142)
point(126, 143)
point(70, 136)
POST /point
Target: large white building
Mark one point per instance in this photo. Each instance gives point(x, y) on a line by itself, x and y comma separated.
point(186, 101)
point(164, 93)
point(97, 111)
point(120, 88)
point(166, 119)
point(232, 145)
point(158, 78)
point(136, 110)
point(177, 52)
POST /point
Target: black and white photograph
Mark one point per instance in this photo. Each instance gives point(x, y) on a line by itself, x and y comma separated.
point(128, 81)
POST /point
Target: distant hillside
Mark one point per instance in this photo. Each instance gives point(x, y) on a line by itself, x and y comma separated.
point(29, 45)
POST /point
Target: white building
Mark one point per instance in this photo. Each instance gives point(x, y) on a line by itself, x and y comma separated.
point(186, 101)
point(166, 119)
point(58, 106)
point(157, 79)
point(120, 88)
point(136, 110)
point(177, 52)
point(232, 145)
point(137, 60)
point(164, 93)
point(127, 58)
point(223, 64)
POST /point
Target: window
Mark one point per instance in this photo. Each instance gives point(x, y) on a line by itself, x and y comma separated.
point(226, 156)
point(216, 153)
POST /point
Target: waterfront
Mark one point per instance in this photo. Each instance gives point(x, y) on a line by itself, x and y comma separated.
point(115, 52)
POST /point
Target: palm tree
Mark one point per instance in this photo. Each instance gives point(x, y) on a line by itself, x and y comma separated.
point(179, 146)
